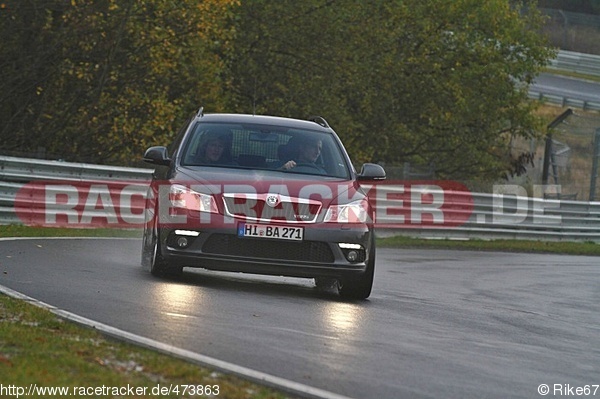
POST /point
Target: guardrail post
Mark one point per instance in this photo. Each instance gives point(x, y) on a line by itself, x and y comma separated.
point(548, 149)
point(595, 165)
point(547, 152)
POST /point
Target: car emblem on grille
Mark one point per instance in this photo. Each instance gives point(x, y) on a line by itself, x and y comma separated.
point(272, 200)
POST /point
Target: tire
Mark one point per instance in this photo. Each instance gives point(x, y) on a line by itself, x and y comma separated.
point(359, 287)
point(152, 257)
point(148, 238)
point(157, 263)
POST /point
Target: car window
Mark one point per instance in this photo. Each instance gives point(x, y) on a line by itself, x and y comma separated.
point(266, 147)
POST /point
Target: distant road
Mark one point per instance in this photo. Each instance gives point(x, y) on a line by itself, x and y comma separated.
point(563, 86)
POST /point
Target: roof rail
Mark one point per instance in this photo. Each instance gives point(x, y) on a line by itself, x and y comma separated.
point(318, 119)
point(200, 112)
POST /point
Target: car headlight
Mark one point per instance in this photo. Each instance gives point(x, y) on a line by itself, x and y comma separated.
point(184, 197)
point(354, 212)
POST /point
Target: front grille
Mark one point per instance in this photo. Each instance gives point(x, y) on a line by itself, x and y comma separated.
point(305, 251)
point(291, 210)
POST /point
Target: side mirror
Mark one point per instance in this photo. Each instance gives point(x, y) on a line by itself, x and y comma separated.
point(371, 171)
point(157, 155)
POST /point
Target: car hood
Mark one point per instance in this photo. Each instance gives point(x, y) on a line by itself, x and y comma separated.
point(219, 180)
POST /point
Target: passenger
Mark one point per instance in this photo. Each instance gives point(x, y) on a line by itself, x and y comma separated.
point(213, 149)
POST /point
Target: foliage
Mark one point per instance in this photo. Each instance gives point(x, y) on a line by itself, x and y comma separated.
point(421, 81)
point(418, 81)
point(98, 80)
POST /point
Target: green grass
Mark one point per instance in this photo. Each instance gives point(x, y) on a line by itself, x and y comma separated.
point(572, 74)
point(560, 247)
point(14, 230)
point(37, 347)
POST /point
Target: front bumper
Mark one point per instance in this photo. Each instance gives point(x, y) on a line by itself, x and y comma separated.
point(319, 254)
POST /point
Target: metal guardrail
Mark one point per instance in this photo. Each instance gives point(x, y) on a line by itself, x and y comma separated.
point(586, 64)
point(16, 172)
point(13, 169)
point(487, 216)
point(564, 101)
point(501, 216)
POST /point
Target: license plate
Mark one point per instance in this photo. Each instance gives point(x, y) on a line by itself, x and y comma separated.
point(270, 231)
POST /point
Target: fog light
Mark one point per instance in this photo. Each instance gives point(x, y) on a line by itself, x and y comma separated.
point(182, 242)
point(189, 233)
point(352, 256)
point(181, 239)
point(354, 253)
point(345, 245)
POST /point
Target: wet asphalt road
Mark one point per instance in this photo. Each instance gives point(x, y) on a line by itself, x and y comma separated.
point(454, 324)
point(562, 86)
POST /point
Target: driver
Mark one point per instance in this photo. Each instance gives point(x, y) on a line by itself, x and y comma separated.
point(308, 152)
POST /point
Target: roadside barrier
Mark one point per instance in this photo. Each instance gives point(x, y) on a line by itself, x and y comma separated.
point(510, 214)
point(586, 64)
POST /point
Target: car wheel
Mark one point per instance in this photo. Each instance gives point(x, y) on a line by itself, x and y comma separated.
point(147, 248)
point(157, 263)
point(359, 287)
point(148, 239)
point(152, 257)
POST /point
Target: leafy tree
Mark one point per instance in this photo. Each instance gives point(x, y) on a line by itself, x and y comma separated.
point(425, 81)
point(99, 80)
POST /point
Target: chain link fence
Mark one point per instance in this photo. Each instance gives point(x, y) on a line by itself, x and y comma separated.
point(571, 164)
point(573, 31)
point(574, 148)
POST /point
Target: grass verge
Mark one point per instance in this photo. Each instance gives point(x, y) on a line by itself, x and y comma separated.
point(565, 248)
point(573, 74)
point(15, 230)
point(37, 347)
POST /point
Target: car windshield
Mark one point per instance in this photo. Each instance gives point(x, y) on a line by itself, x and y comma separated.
point(265, 147)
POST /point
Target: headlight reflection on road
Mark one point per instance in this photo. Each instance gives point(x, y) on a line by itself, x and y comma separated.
point(342, 321)
point(342, 317)
point(176, 300)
